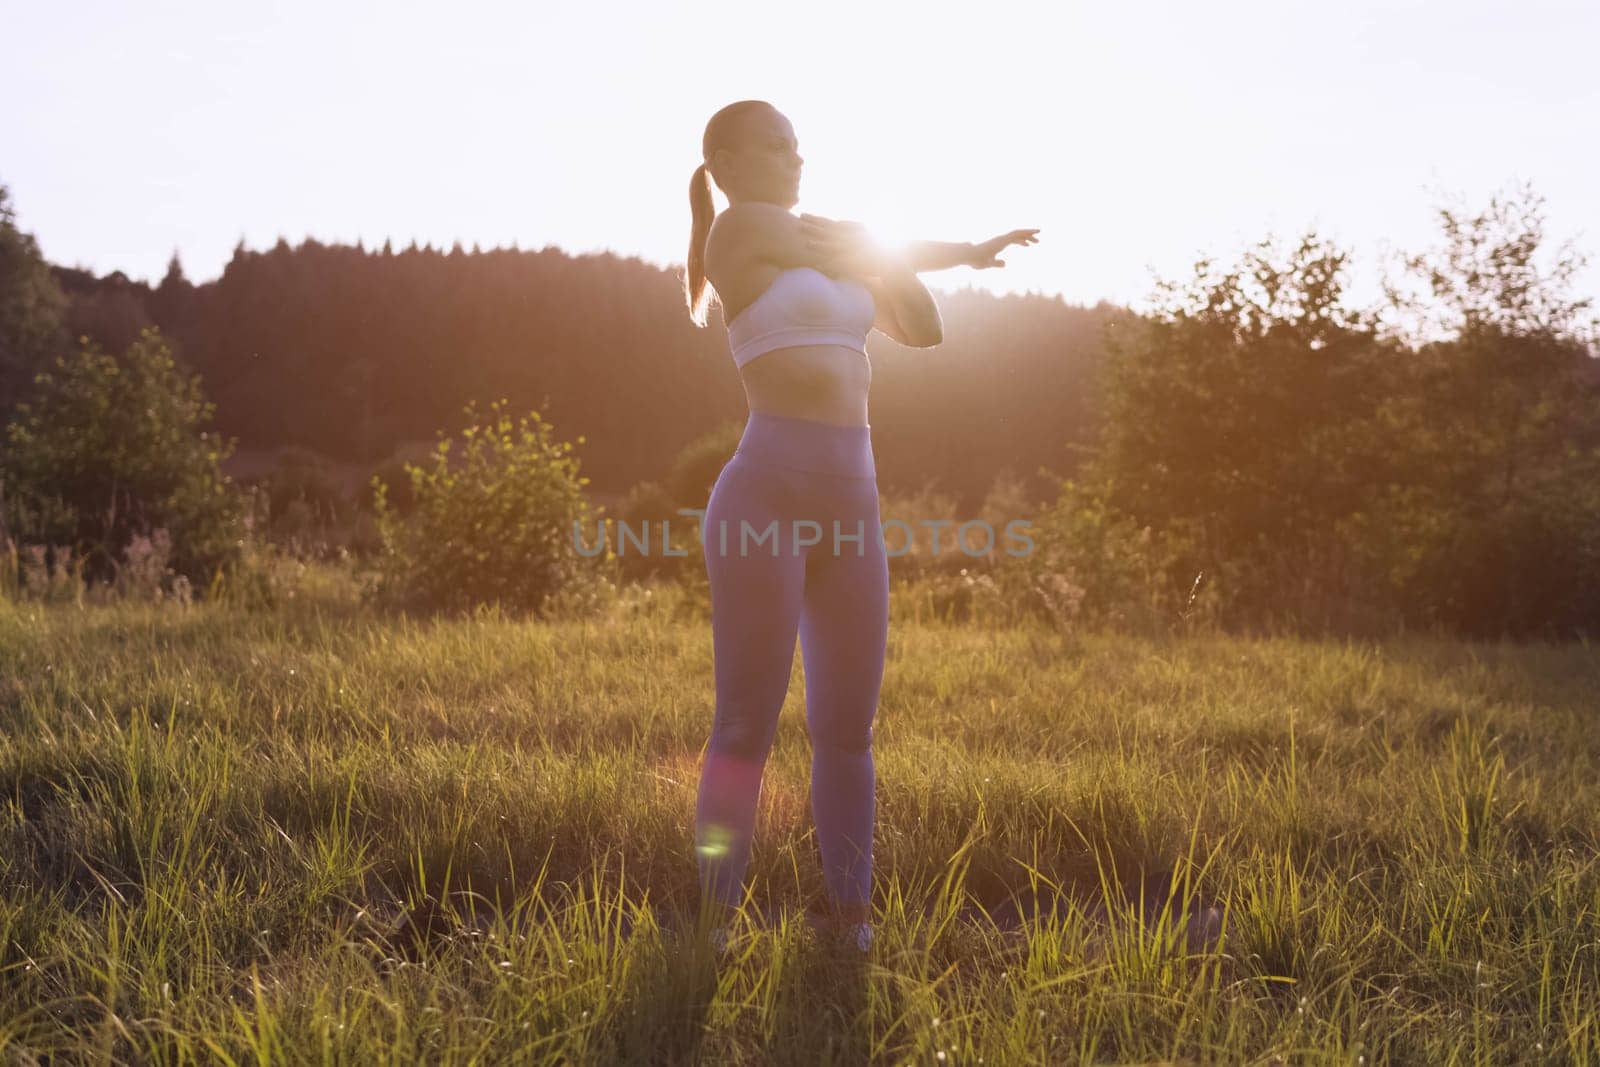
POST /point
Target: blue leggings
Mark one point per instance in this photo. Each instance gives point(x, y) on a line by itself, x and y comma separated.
point(793, 542)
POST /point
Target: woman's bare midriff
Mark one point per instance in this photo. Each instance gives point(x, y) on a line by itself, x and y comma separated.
point(824, 383)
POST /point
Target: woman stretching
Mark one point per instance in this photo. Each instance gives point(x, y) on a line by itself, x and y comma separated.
point(791, 532)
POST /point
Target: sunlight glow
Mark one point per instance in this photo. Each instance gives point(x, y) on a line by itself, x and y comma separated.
point(889, 237)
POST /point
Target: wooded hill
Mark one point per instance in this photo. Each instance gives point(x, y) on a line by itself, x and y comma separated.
point(351, 352)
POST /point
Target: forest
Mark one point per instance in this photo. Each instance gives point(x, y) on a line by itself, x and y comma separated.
point(352, 352)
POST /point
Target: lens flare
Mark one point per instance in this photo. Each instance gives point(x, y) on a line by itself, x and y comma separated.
point(715, 842)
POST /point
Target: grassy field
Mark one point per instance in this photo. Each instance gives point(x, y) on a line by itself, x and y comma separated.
point(315, 833)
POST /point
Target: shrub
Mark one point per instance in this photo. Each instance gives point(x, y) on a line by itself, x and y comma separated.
point(390, 472)
point(696, 467)
point(646, 507)
point(301, 476)
point(650, 504)
point(496, 527)
point(1093, 565)
point(308, 513)
point(910, 546)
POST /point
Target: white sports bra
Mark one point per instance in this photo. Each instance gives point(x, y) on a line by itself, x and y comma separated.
point(803, 306)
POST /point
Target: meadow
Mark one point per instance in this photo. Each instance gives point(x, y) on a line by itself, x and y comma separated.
point(317, 832)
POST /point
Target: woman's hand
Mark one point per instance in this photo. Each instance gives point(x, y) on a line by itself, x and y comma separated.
point(983, 255)
point(848, 249)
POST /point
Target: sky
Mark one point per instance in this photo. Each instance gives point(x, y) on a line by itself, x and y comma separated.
point(1135, 136)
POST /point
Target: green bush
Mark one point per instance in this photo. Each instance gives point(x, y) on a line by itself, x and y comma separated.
point(646, 507)
point(495, 527)
point(392, 473)
point(1530, 567)
point(696, 467)
point(650, 504)
point(1092, 565)
point(301, 482)
point(308, 512)
point(910, 546)
point(106, 449)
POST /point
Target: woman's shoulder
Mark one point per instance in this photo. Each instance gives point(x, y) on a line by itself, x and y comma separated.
point(755, 231)
point(756, 212)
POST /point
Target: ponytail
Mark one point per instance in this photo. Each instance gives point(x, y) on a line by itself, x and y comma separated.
point(696, 290)
point(723, 131)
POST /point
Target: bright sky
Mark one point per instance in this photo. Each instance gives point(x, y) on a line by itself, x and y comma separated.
point(1134, 135)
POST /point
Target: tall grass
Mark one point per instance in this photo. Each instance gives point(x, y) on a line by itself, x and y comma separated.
point(313, 832)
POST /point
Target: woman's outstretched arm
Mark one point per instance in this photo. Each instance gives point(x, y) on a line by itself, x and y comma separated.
point(932, 255)
point(938, 255)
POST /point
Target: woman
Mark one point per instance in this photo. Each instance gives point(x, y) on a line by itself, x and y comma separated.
point(791, 533)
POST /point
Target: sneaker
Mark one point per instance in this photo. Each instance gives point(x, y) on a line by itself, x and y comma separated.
point(856, 936)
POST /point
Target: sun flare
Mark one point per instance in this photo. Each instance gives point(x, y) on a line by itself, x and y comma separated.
point(889, 237)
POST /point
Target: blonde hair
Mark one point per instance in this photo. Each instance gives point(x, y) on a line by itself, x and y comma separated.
point(721, 132)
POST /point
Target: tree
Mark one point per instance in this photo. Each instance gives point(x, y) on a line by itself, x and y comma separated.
point(1501, 415)
point(171, 301)
point(32, 308)
point(1230, 415)
point(108, 448)
point(1510, 383)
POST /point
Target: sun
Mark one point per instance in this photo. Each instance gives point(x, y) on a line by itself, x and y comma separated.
point(889, 236)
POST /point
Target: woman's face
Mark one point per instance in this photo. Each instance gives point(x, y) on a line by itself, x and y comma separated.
point(766, 166)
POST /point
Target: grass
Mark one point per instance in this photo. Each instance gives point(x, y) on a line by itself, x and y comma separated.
point(317, 833)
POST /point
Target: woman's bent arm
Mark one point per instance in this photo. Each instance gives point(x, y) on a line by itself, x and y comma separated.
point(914, 307)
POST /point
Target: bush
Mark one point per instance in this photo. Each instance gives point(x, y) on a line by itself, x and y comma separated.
point(308, 513)
point(646, 507)
point(302, 477)
point(108, 449)
point(1528, 568)
point(696, 467)
point(910, 546)
point(1093, 565)
point(390, 472)
point(650, 504)
point(496, 527)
